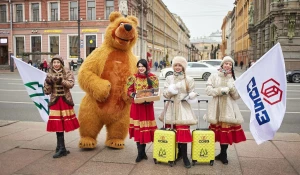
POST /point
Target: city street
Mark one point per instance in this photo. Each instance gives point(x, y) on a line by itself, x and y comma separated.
point(15, 103)
point(23, 133)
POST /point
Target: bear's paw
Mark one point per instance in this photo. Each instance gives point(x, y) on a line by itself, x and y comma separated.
point(115, 143)
point(87, 142)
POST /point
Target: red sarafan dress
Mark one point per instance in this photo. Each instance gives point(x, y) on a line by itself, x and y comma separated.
point(142, 120)
point(62, 116)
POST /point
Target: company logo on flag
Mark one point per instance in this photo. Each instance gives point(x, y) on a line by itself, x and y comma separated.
point(264, 92)
point(272, 92)
point(33, 80)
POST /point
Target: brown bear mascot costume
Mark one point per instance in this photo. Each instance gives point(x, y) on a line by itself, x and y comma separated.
point(103, 76)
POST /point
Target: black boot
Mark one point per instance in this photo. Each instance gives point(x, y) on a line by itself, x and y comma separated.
point(61, 144)
point(186, 161)
point(223, 155)
point(140, 152)
point(57, 142)
point(179, 155)
point(144, 152)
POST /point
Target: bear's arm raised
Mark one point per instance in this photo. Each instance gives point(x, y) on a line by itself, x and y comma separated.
point(90, 81)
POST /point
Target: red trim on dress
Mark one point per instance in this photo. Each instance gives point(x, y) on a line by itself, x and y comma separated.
point(62, 123)
point(183, 133)
point(229, 135)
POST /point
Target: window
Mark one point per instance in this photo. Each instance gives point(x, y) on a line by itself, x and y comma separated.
point(54, 11)
point(109, 7)
point(36, 47)
point(73, 46)
point(19, 13)
point(35, 12)
point(73, 11)
point(262, 50)
point(90, 43)
point(2, 13)
point(19, 46)
point(54, 44)
point(91, 13)
point(198, 65)
point(213, 63)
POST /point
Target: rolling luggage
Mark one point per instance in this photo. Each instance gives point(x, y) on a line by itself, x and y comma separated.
point(203, 145)
point(164, 144)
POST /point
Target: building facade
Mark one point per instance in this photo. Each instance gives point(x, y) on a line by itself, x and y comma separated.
point(167, 34)
point(51, 27)
point(242, 41)
point(232, 33)
point(226, 35)
point(39, 29)
point(208, 48)
point(276, 21)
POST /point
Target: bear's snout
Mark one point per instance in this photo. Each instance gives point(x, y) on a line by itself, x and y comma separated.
point(128, 27)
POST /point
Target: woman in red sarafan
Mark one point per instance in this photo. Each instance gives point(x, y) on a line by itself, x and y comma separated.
point(62, 117)
point(142, 120)
point(223, 113)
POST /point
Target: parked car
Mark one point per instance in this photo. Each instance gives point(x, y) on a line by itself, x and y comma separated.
point(293, 76)
point(194, 69)
point(216, 63)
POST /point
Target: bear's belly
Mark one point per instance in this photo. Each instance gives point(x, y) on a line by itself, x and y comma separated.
point(116, 71)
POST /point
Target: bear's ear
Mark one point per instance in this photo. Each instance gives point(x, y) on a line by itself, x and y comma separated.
point(114, 15)
point(133, 19)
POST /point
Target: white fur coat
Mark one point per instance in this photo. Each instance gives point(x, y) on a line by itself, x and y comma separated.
point(222, 108)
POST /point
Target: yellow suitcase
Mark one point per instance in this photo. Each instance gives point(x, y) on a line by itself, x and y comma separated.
point(203, 145)
point(164, 144)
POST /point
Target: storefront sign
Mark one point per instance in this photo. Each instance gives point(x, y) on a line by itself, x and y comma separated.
point(4, 32)
point(90, 30)
point(52, 31)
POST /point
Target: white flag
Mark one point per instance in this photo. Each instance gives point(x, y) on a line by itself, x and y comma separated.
point(33, 80)
point(263, 89)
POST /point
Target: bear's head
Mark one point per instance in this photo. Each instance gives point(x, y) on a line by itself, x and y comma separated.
point(121, 33)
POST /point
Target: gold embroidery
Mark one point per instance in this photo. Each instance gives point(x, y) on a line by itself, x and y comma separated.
point(62, 112)
point(143, 123)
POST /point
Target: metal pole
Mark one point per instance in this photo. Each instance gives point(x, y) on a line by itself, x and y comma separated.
point(165, 32)
point(79, 40)
point(153, 32)
point(12, 65)
point(142, 33)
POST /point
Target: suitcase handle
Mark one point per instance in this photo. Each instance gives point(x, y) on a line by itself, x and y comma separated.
point(199, 101)
point(165, 111)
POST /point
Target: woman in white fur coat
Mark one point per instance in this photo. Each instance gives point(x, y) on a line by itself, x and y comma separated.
point(223, 113)
point(180, 88)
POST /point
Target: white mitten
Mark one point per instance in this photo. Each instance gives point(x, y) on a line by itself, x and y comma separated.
point(172, 89)
point(192, 101)
point(224, 90)
point(193, 95)
point(230, 85)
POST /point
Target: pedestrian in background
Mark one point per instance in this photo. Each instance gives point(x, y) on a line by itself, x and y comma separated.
point(62, 117)
point(45, 65)
point(180, 88)
point(241, 64)
point(156, 65)
point(30, 62)
point(142, 119)
point(223, 113)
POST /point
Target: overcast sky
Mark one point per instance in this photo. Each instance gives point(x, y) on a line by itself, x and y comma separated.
point(202, 17)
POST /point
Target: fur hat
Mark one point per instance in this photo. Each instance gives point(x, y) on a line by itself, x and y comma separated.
point(59, 58)
point(181, 60)
point(226, 59)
